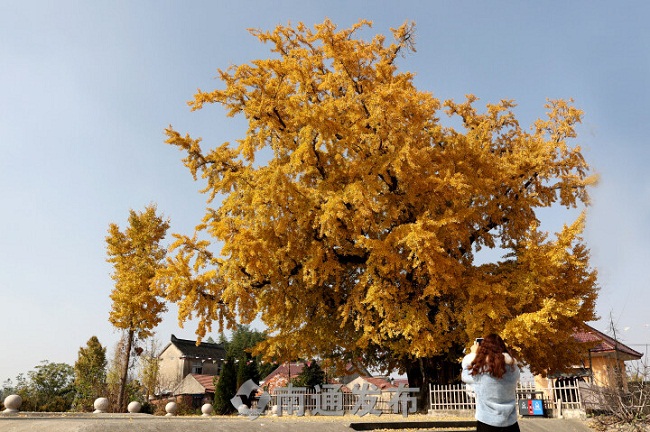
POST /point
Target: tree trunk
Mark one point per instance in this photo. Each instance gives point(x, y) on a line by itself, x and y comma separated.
point(431, 370)
point(121, 404)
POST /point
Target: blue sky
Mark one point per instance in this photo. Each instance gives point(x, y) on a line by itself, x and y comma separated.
point(87, 88)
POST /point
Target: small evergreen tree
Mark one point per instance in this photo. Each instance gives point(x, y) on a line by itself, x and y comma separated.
point(90, 374)
point(311, 375)
point(240, 346)
point(247, 369)
point(243, 340)
point(226, 387)
point(265, 368)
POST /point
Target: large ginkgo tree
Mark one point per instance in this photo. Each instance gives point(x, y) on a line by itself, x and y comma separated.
point(349, 216)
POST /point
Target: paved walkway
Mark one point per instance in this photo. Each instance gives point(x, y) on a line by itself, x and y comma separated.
point(147, 423)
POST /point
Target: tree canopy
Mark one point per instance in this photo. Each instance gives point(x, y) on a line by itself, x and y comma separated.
point(243, 339)
point(49, 387)
point(136, 254)
point(349, 216)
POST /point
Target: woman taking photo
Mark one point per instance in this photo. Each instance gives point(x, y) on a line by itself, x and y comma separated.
point(493, 374)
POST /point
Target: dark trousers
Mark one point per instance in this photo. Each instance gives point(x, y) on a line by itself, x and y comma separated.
point(482, 427)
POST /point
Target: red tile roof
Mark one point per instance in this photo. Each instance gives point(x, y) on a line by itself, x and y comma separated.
point(605, 344)
point(286, 370)
point(380, 383)
point(207, 381)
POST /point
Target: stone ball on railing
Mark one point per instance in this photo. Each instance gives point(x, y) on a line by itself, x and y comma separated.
point(134, 407)
point(101, 405)
point(12, 404)
point(171, 408)
point(207, 409)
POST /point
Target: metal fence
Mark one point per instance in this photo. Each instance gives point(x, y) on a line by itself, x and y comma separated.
point(567, 392)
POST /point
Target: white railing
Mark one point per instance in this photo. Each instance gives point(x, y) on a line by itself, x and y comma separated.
point(565, 396)
point(451, 397)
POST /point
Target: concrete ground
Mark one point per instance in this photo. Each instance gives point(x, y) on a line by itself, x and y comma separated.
point(28, 422)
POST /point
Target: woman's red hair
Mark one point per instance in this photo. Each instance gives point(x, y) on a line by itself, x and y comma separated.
point(489, 357)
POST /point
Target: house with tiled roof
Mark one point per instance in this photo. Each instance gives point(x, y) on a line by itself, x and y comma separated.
point(196, 384)
point(606, 356)
point(182, 357)
point(602, 363)
point(283, 374)
point(195, 390)
point(385, 385)
point(382, 383)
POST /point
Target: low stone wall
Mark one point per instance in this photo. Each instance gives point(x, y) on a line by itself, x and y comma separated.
point(12, 405)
